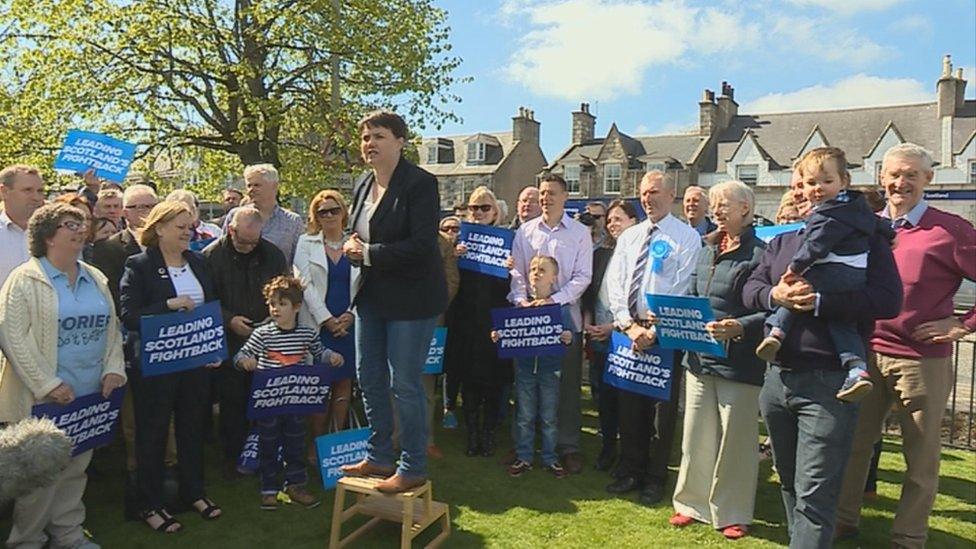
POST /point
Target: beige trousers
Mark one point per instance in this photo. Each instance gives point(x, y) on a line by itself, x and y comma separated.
point(55, 512)
point(719, 451)
point(918, 389)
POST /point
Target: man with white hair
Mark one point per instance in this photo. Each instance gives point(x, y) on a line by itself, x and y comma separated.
point(281, 227)
point(695, 205)
point(911, 359)
point(242, 263)
point(656, 256)
point(109, 255)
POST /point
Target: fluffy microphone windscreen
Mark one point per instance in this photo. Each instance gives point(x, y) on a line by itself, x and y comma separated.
point(33, 452)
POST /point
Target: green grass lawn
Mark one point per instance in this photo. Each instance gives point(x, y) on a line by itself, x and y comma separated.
point(490, 509)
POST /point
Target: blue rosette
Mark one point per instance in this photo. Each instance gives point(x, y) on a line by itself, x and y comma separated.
point(660, 250)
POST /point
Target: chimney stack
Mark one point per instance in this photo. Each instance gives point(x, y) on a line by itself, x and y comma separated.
point(584, 124)
point(950, 97)
point(707, 114)
point(524, 126)
point(727, 107)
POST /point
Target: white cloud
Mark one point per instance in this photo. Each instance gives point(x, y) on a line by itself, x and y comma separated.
point(601, 49)
point(859, 90)
point(912, 25)
point(826, 40)
point(848, 6)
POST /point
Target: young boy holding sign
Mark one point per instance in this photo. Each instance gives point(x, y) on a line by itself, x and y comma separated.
point(282, 343)
point(537, 381)
point(833, 258)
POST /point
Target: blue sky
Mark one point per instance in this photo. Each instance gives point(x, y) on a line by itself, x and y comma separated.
point(643, 64)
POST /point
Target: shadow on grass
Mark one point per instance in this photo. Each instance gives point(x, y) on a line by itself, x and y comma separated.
point(961, 489)
point(876, 532)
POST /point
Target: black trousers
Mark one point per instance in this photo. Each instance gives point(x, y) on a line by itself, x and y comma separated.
point(647, 432)
point(483, 398)
point(233, 389)
point(185, 395)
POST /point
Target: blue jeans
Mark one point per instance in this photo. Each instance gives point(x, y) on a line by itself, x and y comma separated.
point(811, 432)
point(390, 354)
point(538, 398)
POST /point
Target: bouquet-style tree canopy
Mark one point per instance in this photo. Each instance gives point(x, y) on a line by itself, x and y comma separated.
point(227, 82)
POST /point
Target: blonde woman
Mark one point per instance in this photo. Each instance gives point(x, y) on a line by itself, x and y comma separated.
point(470, 355)
point(168, 277)
point(330, 282)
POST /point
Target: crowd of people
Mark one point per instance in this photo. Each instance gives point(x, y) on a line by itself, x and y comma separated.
point(826, 330)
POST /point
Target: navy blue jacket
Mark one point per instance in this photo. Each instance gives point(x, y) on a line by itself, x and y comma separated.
point(146, 285)
point(405, 279)
point(720, 278)
point(843, 226)
point(808, 345)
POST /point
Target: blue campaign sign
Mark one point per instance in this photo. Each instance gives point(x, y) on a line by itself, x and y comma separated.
point(83, 151)
point(338, 449)
point(199, 245)
point(646, 373)
point(89, 421)
point(488, 249)
point(183, 340)
point(435, 355)
point(295, 390)
point(770, 232)
point(248, 462)
point(681, 323)
point(529, 331)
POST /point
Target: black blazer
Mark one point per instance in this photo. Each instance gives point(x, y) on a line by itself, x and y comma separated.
point(405, 279)
point(146, 285)
point(109, 256)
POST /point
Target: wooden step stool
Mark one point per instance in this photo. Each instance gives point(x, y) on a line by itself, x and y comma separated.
point(414, 515)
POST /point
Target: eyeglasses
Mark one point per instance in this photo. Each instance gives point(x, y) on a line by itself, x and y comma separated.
point(328, 212)
point(140, 206)
point(451, 229)
point(596, 216)
point(74, 226)
point(485, 208)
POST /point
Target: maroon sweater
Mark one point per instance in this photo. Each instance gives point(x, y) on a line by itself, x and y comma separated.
point(932, 258)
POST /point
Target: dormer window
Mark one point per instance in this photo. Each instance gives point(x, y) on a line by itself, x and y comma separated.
point(747, 173)
point(572, 176)
point(432, 154)
point(611, 178)
point(476, 152)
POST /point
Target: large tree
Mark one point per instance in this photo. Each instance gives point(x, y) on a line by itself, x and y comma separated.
point(279, 81)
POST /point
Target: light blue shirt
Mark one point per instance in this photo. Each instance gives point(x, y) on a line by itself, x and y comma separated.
point(83, 319)
point(914, 215)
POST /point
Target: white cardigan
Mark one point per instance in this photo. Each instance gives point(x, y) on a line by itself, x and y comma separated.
point(29, 337)
point(313, 268)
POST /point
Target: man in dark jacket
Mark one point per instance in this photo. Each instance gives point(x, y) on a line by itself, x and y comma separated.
point(810, 429)
point(241, 263)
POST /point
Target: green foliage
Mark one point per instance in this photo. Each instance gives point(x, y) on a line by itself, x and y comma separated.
point(225, 82)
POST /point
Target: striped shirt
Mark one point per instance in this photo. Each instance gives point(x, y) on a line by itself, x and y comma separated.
point(277, 348)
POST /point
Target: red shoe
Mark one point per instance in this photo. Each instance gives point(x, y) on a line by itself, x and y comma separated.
point(736, 531)
point(680, 520)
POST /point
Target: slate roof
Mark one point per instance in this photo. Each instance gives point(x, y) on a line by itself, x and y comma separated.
point(460, 165)
point(645, 148)
point(857, 131)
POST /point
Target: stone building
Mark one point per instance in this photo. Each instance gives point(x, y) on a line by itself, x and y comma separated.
point(503, 161)
point(760, 149)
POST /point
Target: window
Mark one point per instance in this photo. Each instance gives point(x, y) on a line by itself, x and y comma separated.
point(972, 171)
point(572, 176)
point(476, 152)
point(611, 178)
point(432, 154)
point(877, 172)
point(651, 166)
point(747, 173)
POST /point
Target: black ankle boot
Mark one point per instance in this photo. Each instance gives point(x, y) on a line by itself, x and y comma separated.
point(488, 443)
point(607, 457)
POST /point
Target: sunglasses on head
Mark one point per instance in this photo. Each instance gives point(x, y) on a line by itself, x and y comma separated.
point(328, 212)
point(480, 207)
point(451, 229)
